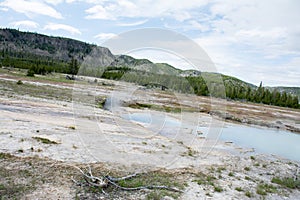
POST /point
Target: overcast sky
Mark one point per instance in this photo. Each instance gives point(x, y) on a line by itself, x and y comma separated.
point(254, 40)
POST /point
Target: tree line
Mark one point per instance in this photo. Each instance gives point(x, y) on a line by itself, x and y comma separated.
point(233, 90)
point(37, 64)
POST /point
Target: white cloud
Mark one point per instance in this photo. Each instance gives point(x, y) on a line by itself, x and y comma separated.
point(31, 8)
point(105, 36)
point(274, 33)
point(254, 40)
point(260, 23)
point(54, 2)
point(54, 27)
point(4, 9)
point(25, 23)
point(100, 12)
point(137, 23)
point(113, 10)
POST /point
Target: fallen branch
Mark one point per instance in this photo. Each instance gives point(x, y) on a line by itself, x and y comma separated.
point(105, 181)
point(122, 178)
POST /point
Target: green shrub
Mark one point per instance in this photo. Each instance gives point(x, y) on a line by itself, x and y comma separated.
point(30, 72)
point(286, 182)
point(19, 82)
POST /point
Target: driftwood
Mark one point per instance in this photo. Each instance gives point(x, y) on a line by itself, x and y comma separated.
point(105, 181)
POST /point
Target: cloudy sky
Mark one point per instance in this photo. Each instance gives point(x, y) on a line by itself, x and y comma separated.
point(254, 40)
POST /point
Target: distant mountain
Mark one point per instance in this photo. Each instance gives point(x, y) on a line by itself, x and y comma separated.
point(42, 45)
point(190, 72)
point(144, 65)
point(31, 46)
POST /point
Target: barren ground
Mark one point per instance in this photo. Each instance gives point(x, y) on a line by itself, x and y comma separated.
point(48, 125)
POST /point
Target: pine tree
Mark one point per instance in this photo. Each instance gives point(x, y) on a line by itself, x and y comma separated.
point(283, 99)
point(295, 103)
point(73, 67)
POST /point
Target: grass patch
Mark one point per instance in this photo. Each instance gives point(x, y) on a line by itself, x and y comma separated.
point(248, 194)
point(19, 82)
point(72, 127)
point(256, 165)
point(230, 174)
point(239, 189)
point(205, 180)
point(218, 189)
point(158, 195)
point(152, 178)
point(164, 108)
point(264, 166)
point(21, 151)
point(220, 169)
point(287, 182)
point(39, 91)
point(100, 102)
point(45, 140)
point(140, 105)
point(155, 178)
point(264, 189)
point(247, 169)
point(191, 152)
point(10, 188)
point(5, 155)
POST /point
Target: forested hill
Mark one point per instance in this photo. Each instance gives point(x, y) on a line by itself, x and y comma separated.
point(42, 54)
point(26, 50)
point(42, 45)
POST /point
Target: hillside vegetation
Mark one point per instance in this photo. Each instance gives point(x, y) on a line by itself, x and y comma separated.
point(42, 54)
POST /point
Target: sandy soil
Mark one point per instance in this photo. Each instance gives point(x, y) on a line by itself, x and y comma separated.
point(84, 133)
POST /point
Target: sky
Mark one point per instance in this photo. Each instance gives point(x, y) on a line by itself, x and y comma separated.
point(253, 40)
